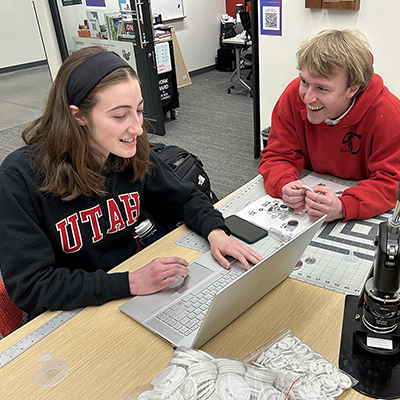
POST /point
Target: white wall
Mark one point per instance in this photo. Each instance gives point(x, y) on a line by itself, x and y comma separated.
point(198, 33)
point(20, 39)
point(377, 20)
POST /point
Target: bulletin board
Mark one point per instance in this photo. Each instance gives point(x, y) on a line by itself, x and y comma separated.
point(169, 9)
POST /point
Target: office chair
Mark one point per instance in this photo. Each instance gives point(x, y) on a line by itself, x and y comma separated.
point(243, 55)
point(246, 54)
point(10, 315)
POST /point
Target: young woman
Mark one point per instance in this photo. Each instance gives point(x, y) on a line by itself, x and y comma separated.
point(70, 199)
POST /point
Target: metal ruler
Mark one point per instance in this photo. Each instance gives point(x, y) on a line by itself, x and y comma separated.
point(34, 337)
point(249, 193)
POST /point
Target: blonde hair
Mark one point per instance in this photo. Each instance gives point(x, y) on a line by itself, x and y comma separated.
point(333, 51)
point(61, 153)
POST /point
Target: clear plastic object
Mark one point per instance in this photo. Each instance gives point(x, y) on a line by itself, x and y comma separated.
point(351, 258)
point(51, 372)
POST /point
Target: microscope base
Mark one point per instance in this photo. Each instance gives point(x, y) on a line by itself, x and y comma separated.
point(378, 375)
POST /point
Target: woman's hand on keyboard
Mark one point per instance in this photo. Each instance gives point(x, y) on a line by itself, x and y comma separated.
point(222, 245)
point(157, 275)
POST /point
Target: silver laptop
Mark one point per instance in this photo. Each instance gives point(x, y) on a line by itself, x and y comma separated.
point(211, 297)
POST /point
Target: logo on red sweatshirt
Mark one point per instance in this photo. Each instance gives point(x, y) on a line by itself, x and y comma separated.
point(352, 143)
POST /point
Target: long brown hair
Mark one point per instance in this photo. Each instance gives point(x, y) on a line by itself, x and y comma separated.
point(61, 154)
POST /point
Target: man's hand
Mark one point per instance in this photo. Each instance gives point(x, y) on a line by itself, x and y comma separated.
point(324, 201)
point(294, 196)
point(222, 245)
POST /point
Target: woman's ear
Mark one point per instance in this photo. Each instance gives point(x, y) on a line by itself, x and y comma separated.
point(74, 110)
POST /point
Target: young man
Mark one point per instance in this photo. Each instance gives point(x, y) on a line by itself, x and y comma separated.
point(336, 118)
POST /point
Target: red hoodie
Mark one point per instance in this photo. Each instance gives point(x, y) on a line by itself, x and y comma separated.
point(364, 146)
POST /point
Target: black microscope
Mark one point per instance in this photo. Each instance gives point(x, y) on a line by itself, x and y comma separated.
point(370, 344)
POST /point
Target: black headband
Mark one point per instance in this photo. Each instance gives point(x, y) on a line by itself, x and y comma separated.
point(85, 77)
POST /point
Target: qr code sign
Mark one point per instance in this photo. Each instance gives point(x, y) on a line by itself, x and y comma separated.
point(271, 18)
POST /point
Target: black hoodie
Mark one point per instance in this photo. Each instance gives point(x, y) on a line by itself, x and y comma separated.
point(55, 254)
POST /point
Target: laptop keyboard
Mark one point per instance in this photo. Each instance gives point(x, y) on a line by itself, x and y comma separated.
point(187, 314)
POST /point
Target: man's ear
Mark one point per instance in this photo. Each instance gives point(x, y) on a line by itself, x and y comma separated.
point(352, 90)
point(74, 110)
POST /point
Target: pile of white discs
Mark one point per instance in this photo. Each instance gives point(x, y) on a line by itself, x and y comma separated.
point(194, 374)
point(317, 378)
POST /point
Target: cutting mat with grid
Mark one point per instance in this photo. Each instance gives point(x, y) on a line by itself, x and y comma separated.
point(326, 261)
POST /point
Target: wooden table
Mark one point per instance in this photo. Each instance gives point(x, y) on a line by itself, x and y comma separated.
point(113, 357)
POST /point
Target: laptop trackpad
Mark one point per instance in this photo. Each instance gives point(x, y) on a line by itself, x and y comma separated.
point(143, 307)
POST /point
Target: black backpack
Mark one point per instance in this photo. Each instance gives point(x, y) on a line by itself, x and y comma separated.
point(187, 166)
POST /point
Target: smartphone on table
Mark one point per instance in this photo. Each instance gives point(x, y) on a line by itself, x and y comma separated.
point(245, 230)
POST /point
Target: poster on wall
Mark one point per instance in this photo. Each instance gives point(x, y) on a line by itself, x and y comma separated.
point(271, 17)
point(123, 49)
point(124, 5)
point(163, 57)
point(95, 3)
